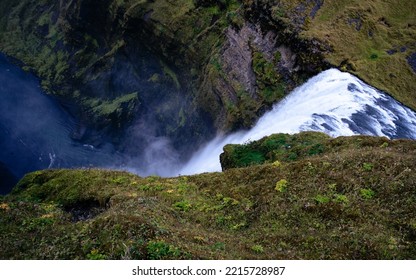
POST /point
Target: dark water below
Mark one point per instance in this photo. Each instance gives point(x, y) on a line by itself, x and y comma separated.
point(35, 130)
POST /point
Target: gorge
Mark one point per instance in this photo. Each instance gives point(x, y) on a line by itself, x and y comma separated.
point(36, 132)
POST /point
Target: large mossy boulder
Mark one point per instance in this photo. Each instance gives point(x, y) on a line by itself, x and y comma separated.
point(282, 147)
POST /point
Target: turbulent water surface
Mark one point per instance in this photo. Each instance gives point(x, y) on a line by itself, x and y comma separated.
point(35, 130)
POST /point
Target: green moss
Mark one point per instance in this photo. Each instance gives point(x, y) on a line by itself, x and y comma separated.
point(117, 112)
point(282, 147)
point(171, 74)
point(110, 107)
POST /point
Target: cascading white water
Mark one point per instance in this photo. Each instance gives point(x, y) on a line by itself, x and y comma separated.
point(34, 130)
point(333, 102)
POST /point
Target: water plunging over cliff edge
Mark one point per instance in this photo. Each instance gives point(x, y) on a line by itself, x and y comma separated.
point(35, 130)
point(332, 102)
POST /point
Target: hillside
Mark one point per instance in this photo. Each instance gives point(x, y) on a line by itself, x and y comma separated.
point(355, 200)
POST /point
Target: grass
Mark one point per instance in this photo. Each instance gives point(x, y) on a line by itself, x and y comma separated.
point(330, 208)
point(385, 25)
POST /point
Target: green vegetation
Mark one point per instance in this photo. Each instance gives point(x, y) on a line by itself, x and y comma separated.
point(367, 193)
point(268, 79)
point(277, 147)
point(112, 112)
point(280, 148)
point(281, 186)
point(330, 207)
point(370, 39)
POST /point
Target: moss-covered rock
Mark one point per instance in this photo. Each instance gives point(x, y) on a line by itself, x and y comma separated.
point(287, 147)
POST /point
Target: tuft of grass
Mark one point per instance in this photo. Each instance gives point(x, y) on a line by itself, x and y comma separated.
point(281, 186)
point(321, 199)
point(257, 248)
point(367, 193)
point(368, 166)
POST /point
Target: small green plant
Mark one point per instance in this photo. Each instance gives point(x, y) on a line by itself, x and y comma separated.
point(276, 163)
point(219, 246)
point(222, 220)
point(257, 248)
point(183, 206)
point(412, 224)
point(332, 186)
point(153, 178)
point(340, 198)
point(367, 193)
point(368, 166)
point(321, 199)
point(38, 223)
point(281, 186)
point(143, 187)
point(158, 250)
point(384, 145)
point(120, 180)
point(239, 226)
point(96, 255)
point(230, 201)
point(277, 56)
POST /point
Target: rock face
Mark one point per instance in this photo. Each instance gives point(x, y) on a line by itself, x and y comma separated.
point(8, 179)
point(196, 67)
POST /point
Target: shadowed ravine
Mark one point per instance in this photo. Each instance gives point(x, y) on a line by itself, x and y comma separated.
point(35, 130)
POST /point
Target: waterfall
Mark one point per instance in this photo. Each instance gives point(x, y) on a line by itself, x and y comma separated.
point(35, 130)
point(333, 102)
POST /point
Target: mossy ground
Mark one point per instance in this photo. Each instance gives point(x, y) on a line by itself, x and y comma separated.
point(370, 39)
point(346, 204)
point(386, 26)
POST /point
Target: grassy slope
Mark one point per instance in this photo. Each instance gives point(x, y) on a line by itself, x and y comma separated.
point(384, 26)
point(356, 202)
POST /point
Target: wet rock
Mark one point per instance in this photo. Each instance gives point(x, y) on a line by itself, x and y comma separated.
point(411, 59)
point(357, 22)
point(391, 52)
point(237, 57)
point(316, 8)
